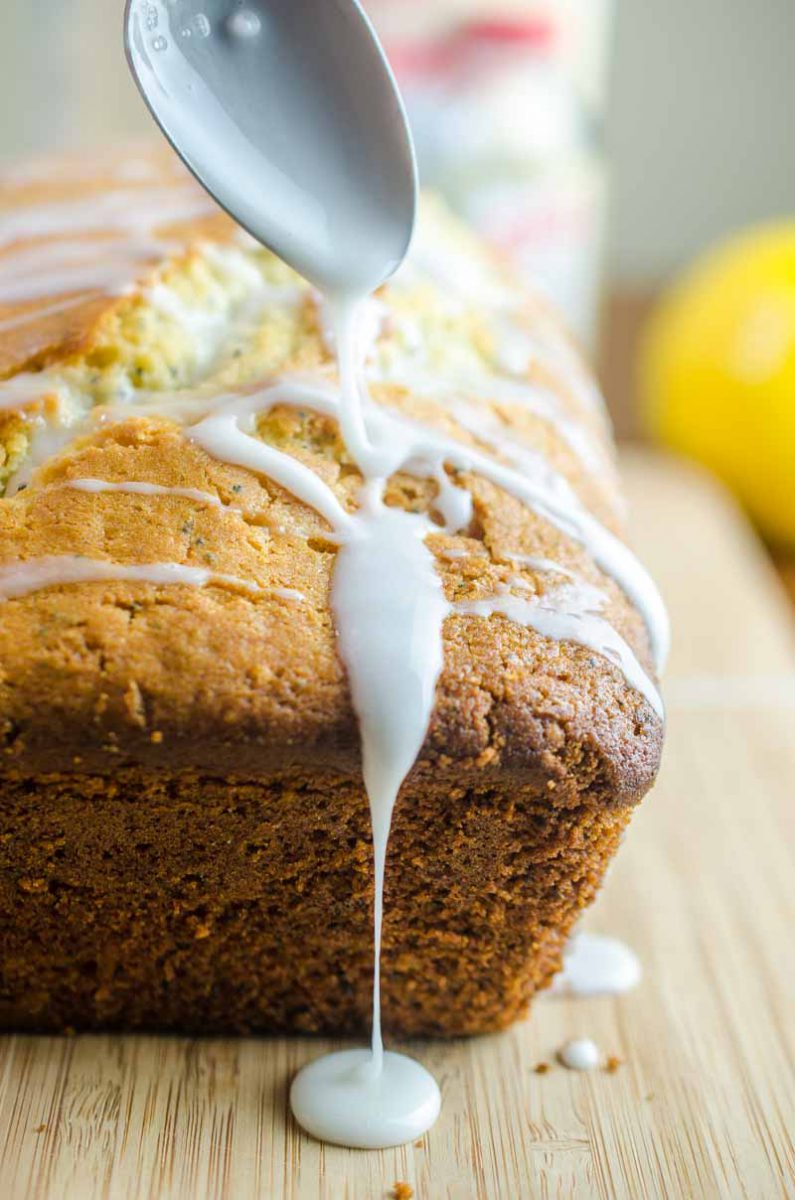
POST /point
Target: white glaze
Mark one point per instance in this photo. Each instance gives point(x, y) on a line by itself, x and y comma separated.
point(596, 965)
point(561, 617)
point(19, 579)
point(134, 170)
point(48, 438)
point(456, 553)
point(201, 325)
point(41, 314)
point(384, 553)
point(58, 255)
point(542, 489)
point(384, 580)
point(21, 391)
point(223, 434)
point(212, 328)
point(467, 276)
point(55, 268)
point(140, 488)
point(136, 212)
point(340, 1098)
point(450, 388)
point(370, 319)
point(580, 1054)
point(453, 503)
point(546, 566)
point(460, 275)
point(517, 349)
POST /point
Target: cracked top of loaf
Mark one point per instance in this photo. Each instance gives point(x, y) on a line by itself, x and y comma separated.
point(128, 306)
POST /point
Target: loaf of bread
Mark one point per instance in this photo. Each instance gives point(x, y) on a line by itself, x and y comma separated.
point(184, 834)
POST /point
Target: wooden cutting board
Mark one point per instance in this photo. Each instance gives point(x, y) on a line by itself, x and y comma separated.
point(703, 1104)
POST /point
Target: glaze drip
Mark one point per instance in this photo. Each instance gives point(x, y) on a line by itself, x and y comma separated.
point(31, 575)
point(96, 245)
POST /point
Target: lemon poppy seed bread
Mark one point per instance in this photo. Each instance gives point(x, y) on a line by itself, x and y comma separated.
point(184, 832)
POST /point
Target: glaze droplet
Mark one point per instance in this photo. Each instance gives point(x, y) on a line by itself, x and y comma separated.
point(580, 1054)
point(343, 1098)
point(596, 965)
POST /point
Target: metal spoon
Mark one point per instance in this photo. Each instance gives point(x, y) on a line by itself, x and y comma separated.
point(288, 114)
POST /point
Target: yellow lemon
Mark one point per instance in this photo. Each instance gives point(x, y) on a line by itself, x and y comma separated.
point(717, 371)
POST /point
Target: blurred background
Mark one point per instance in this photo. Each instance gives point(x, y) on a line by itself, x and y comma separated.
point(607, 145)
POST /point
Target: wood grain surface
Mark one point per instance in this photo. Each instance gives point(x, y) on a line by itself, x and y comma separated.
point(703, 1102)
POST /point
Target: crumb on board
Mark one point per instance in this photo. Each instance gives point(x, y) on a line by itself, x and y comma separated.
point(541, 1068)
point(402, 1191)
point(613, 1063)
point(40, 1128)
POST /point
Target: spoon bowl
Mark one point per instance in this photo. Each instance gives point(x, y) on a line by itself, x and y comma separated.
point(287, 112)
